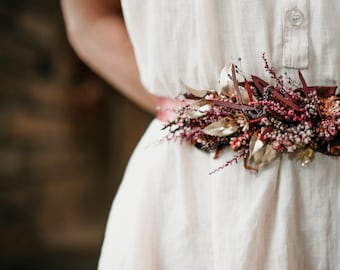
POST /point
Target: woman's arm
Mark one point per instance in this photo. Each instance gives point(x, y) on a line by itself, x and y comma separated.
point(97, 32)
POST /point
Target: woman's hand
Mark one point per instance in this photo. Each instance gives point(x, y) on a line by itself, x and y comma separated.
point(98, 34)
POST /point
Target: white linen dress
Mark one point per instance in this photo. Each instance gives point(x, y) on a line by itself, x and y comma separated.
point(169, 213)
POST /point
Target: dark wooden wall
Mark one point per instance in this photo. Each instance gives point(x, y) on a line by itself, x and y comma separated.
point(65, 137)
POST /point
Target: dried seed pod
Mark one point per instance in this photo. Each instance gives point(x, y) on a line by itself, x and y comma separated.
point(334, 150)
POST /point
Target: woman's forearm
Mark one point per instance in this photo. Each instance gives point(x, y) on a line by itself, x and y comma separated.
point(97, 32)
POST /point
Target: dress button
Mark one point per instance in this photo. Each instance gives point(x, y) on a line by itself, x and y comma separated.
point(295, 17)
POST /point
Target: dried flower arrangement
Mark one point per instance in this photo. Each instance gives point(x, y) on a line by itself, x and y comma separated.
point(259, 120)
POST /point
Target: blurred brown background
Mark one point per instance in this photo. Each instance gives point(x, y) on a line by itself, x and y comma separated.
point(65, 137)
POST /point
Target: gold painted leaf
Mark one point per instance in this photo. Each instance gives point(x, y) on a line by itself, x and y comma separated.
point(255, 145)
point(260, 153)
point(226, 82)
point(198, 109)
point(195, 92)
point(244, 95)
point(305, 156)
point(269, 154)
point(221, 128)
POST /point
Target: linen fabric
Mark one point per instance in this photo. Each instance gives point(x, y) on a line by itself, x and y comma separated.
point(170, 213)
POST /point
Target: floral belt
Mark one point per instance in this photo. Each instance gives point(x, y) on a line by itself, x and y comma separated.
point(256, 119)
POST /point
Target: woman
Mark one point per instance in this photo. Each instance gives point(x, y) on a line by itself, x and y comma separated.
point(169, 212)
